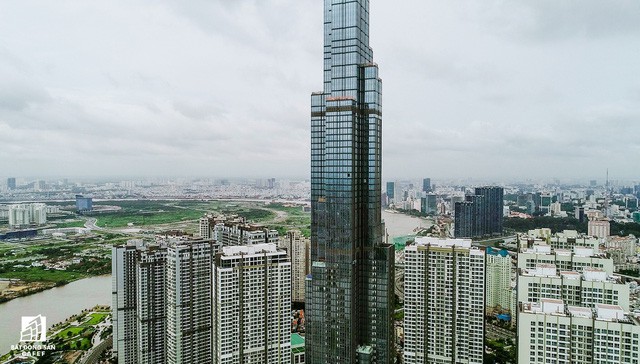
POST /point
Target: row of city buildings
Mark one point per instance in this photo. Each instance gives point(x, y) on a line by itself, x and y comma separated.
point(571, 307)
point(224, 297)
point(26, 215)
point(567, 305)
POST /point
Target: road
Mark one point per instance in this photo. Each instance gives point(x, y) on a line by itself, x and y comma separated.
point(90, 224)
point(489, 242)
point(399, 284)
point(496, 332)
point(92, 356)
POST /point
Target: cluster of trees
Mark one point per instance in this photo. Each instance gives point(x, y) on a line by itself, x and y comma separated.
point(93, 266)
point(500, 351)
point(556, 224)
point(413, 212)
point(622, 229)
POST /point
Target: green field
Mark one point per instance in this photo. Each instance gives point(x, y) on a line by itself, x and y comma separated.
point(70, 332)
point(95, 318)
point(38, 274)
point(296, 219)
point(149, 213)
point(54, 251)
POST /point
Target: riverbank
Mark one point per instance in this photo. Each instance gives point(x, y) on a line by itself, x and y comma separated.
point(17, 288)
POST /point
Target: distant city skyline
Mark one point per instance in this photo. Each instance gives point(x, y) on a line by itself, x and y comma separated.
point(469, 181)
point(491, 90)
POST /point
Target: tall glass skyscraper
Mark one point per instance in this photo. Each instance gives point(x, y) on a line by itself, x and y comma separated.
point(349, 294)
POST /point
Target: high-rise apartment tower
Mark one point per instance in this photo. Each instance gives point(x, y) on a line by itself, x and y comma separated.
point(349, 293)
point(444, 302)
point(252, 305)
point(297, 247)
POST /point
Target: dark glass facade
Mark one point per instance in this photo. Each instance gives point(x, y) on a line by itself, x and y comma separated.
point(463, 226)
point(429, 203)
point(481, 214)
point(426, 185)
point(391, 190)
point(349, 293)
point(492, 209)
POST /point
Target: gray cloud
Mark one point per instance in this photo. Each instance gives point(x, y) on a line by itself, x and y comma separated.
point(484, 89)
point(549, 20)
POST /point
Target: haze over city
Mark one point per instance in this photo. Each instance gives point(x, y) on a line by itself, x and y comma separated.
point(490, 90)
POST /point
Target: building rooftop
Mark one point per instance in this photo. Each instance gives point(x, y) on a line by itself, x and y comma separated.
point(570, 274)
point(550, 270)
point(576, 311)
point(365, 349)
point(296, 340)
point(609, 312)
point(502, 252)
point(442, 243)
point(600, 312)
point(541, 270)
point(249, 249)
point(297, 344)
point(594, 274)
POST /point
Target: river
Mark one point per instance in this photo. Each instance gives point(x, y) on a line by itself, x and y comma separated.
point(55, 304)
point(59, 303)
point(401, 226)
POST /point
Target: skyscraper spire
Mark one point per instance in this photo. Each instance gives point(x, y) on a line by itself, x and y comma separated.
point(350, 290)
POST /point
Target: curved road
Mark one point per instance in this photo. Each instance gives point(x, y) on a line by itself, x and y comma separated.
point(399, 283)
point(95, 353)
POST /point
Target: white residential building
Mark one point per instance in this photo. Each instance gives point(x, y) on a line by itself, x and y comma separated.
point(551, 332)
point(252, 305)
point(600, 228)
point(568, 239)
point(297, 246)
point(24, 215)
point(444, 301)
point(566, 260)
point(622, 250)
point(123, 277)
point(162, 296)
point(555, 209)
point(498, 286)
point(234, 230)
point(189, 301)
point(587, 288)
point(151, 309)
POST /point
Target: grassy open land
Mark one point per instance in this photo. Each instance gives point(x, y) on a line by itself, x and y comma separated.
point(302, 223)
point(149, 213)
point(292, 218)
point(16, 259)
point(71, 331)
point(290, 210)
point(95, 318)
point(38, 274)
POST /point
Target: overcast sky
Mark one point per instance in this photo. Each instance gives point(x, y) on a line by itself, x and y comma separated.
point(482, 89)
